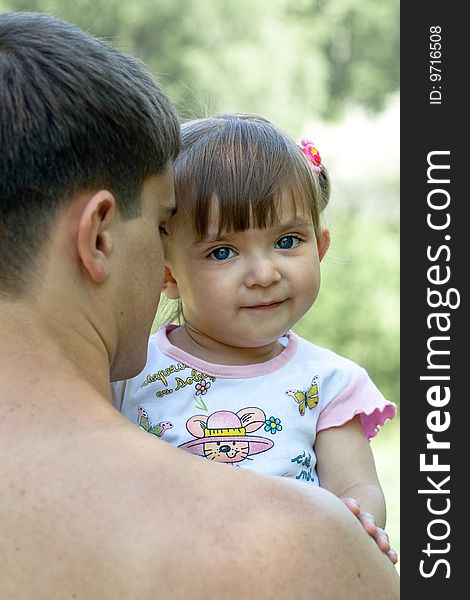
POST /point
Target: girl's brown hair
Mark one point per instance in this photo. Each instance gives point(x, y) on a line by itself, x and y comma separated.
point(244, 164)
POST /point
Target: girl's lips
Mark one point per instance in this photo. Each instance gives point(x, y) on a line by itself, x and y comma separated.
point(266, 305)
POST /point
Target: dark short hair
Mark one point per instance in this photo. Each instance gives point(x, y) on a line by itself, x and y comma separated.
point(75, 114)
point(244, 163)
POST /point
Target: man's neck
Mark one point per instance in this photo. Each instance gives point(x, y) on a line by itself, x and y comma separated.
point(51, 356)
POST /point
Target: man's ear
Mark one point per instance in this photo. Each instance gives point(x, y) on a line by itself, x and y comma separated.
point(170, 285)
point(323, 243)
point(94, 242)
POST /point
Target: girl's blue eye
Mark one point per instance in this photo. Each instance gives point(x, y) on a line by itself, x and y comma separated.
point(287, 242)
point(223, 253)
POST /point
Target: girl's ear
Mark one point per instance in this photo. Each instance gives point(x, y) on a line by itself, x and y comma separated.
point(323, 243)
point(94, 241)
point(170, 285)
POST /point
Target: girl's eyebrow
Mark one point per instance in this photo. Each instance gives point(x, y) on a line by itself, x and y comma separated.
point(213, 237)
point(292, 225)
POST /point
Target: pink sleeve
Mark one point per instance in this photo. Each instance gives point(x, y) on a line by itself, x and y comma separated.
point(360, 397)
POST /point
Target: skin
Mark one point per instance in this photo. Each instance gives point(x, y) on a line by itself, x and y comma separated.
point(240, 292)
point(346, 467)
point(92, 507)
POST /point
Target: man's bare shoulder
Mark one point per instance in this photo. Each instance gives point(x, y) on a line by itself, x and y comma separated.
point(114, 512)
point(233, 531)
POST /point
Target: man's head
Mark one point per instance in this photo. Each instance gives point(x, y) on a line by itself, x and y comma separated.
point(75, 115)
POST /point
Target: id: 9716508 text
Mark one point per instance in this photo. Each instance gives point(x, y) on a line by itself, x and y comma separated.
point(435, 63)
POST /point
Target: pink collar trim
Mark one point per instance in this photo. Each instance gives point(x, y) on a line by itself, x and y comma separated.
point(228, 371)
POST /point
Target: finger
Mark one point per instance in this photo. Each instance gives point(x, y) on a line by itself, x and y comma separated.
point(368, 522)
point(382, 533)
point(353, 505)
point(393, 556)
point(382, 541)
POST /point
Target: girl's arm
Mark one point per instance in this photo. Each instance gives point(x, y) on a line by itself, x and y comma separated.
point(346, 467)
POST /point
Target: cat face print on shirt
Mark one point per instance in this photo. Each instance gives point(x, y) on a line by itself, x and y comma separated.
point(224, 436)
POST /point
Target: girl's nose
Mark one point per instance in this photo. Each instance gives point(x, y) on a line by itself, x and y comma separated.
point(262, 272)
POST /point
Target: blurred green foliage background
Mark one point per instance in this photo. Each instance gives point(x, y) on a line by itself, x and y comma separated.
point(328, 69)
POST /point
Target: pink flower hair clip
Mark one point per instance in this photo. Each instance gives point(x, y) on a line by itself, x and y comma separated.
point(312, 154)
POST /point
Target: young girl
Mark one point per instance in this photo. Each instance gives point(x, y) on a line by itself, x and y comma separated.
point(232, 383)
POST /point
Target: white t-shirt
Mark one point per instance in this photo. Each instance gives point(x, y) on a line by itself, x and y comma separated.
point(263, 416)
